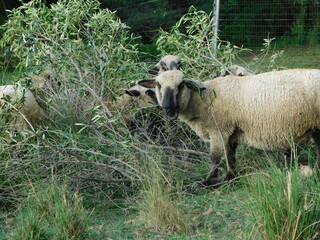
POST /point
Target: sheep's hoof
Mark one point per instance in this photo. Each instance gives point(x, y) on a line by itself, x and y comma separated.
point(212, 182)
point(217, 181)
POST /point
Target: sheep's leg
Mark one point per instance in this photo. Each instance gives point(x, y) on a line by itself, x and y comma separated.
point(217, 151)
point(233, 143)
point(213, 176)
point(232, 159)
point(288, 156)
point(316, 138)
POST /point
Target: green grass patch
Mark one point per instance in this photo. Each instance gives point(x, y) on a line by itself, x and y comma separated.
point(284, 205)
point(51, 212)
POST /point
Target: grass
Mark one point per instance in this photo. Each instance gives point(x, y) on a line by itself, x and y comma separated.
point(159, 204)
point(300, 57)
point(284, 205)
point(218, 214)
point(50, 212)
point(210, 215)
point(292, 57)
point(7, 77)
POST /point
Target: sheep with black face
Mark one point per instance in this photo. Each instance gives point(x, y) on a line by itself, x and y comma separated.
point(236, 70)
point(267, 111)
point(168, 62)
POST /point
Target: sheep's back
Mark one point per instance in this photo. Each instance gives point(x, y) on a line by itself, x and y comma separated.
point(271, 109)
point(29, 106)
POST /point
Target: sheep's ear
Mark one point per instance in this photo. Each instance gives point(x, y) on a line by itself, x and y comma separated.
point(225, 73)
point(154, 71)
point(164, 66)
point(194, 86)
point(153, 96)
point(147, 83)
point(133, 93)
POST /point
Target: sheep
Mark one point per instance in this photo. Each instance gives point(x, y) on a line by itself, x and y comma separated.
point(235, 70)
point(147, 97)
point(306, 171)
point(22, 100)
point(42, 80)
point(168, 62)
point(134, 97)
point(268, 111)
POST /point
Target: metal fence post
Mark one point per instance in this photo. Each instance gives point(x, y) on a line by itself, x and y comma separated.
point(215, 25)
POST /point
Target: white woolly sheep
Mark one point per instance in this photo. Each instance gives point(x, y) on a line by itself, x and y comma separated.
point(306, 171)
point(168, 62)
point(22, 100)
point(266, 111)
point(236, 70)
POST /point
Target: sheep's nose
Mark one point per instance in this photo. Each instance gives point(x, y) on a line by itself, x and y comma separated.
point(170, 112)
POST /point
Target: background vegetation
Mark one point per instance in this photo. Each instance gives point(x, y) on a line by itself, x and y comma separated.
point(87, 174)
point(241, 22)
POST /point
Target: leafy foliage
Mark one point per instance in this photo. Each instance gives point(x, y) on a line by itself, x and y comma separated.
point(91, 56)
point(72, 37)
point(192, 39)
point(89, 52)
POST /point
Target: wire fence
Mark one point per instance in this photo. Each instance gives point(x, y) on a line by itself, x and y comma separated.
point(243, 23)
point(249, 23)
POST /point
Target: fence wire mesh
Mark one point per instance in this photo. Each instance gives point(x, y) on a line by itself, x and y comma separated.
point(242, 22)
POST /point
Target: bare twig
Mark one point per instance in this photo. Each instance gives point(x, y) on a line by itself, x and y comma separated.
point(107, 180)
point(189, 151)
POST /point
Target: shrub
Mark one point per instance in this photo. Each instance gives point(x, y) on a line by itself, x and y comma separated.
point(90, 55)
point(88, 49)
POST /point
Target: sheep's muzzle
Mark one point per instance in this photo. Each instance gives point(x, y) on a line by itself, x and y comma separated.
point(170, 113)
point(169, 106)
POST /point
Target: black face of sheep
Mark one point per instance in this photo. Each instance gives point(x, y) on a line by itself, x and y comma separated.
point(172, 91)
point(169, 104)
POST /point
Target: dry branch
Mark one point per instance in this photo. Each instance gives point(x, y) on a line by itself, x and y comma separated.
point(174, 149)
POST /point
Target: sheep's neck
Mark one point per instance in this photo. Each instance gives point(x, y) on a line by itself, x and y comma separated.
point(196, 115)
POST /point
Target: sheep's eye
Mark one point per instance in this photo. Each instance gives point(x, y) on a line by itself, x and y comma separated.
point(181, 85)
point(158, 85)
point(164, 66)
point(179, 65)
